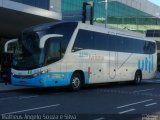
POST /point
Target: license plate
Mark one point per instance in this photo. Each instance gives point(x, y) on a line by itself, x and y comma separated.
point(22, 82)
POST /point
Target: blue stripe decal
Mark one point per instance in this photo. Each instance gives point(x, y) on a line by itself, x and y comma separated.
point(86, 78)
point(51, 79)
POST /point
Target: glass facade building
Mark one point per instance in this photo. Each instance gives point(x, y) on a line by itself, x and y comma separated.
point(123, 15)
point(44, 4)
point(134, 15)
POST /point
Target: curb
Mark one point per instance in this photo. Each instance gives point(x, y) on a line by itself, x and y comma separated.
point(13, 90)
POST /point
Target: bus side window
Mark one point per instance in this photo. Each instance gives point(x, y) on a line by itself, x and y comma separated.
point(53, 51)
point(84, 40)
point(152, 47)
point(101, 41)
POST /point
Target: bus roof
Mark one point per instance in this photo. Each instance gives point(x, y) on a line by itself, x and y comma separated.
point(115, 31)
point(47, 26)
point(110, 30)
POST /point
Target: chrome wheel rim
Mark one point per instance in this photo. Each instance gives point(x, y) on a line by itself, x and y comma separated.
point(138, 79)
point(76, 82)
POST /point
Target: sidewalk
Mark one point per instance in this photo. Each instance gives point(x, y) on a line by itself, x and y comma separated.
point(8, 88)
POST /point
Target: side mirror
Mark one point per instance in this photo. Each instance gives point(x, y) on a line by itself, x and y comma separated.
point(46, 37)
point(6, 47)
point(75, 49)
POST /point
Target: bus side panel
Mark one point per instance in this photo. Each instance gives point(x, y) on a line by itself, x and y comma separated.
point(98, 63)
point(124, 66)
point(57, 75)
point(93, 63)
point(147, 63)
point(128, 63)
point(75, 63)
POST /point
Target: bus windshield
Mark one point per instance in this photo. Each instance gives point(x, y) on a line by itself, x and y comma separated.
point(54, 50)
point(28, 54)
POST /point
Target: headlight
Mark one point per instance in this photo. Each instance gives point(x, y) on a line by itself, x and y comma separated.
point(43, 72)
point(40, 73)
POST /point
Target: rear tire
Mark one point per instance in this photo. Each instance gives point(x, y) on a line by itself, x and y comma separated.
point(76, 82)
point(138, 78)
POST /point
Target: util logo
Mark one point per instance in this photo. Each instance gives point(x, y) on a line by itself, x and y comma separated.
point(146, 64)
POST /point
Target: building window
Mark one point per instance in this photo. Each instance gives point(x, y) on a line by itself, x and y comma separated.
point(44, 4)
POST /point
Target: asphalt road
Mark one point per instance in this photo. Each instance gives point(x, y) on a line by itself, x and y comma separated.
point(102, 102)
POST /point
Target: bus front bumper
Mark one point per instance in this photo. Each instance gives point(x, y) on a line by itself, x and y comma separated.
point(44, 80)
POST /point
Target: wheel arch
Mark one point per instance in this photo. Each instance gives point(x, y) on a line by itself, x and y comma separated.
point(81, 73)
point(138, 74)
point(139, 71)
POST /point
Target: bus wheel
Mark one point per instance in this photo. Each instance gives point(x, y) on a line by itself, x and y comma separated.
point(138, 78)
point(76, 82)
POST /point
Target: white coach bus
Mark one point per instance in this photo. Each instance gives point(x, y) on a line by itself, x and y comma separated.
point(76, 54)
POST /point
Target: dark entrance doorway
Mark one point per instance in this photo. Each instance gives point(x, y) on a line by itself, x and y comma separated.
point(5, 58)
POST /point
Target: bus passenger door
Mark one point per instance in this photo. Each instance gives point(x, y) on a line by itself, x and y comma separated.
point(52, 61)
point(112, 56)
point(97, 70)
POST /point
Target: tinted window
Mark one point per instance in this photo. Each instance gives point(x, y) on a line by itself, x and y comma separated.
point(153, 33)
point(112, 43)
point(91, 40)
point(99, 41)
point(84, 40)
point(53, 52)
point(119, 41)
point(130, 45)
point(139, 45)
point(37, 3)
point(55, 48)
point(152, 47)
point(65, 29)
point(146, 47)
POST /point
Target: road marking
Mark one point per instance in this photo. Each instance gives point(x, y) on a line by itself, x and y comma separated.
point(157, 80)
point(100, 118)
point(38, 108)
point(27, 97)
point(143, 90)
point(151, 104)
point(152, 81)
point(134, 103)
point(126, 111)
point(18, 97)
point(7, 98)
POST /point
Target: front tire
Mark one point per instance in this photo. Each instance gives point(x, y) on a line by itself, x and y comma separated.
point(76, 82)
point(138, 78)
